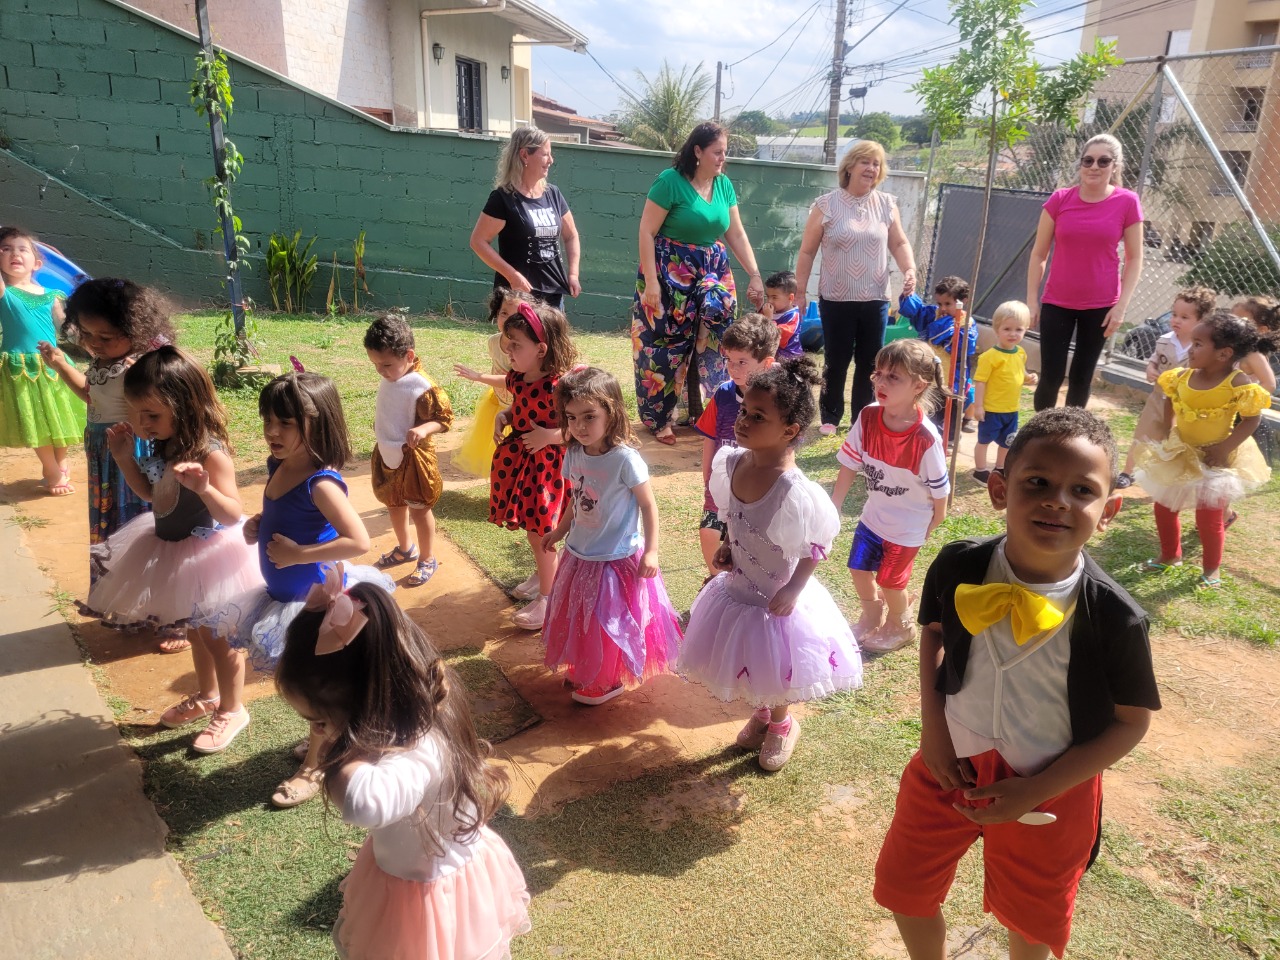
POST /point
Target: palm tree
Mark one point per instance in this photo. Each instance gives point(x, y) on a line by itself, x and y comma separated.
point(669, 106)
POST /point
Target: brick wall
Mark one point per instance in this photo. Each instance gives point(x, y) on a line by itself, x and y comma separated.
point(95, 96)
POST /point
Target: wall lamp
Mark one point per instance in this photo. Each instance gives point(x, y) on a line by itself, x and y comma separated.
point(506, 72)
point(437, 52)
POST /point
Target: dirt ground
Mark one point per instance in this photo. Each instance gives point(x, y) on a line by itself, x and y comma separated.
point(1219, 696)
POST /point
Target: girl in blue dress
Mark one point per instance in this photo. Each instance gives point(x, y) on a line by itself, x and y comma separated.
point(307, 524)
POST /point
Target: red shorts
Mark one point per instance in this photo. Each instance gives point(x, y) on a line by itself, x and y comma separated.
point(890, 561)
point(1031, 872)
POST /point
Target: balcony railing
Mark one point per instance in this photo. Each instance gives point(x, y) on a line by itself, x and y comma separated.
point(1254, 61)
point(1240, 126)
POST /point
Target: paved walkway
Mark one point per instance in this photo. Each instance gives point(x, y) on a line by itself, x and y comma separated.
point(83, 872)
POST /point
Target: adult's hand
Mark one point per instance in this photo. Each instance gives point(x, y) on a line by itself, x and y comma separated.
point(1113, 320)
point(518, 282)
point(575, 287)
point(1033, 305)
point(909, 282)
point(755, 291)
point(651, 298)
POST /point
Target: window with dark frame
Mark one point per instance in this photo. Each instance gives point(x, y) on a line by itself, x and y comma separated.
point(470, 101)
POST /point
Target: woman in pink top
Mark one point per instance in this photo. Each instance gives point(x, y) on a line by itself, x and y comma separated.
point(858, 229)
point(1085, 294)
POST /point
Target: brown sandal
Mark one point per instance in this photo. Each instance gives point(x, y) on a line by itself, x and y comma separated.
point(298, 789)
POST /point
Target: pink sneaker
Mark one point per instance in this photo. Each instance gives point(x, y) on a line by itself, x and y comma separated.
point(778, 748)
point(827, 429)
point(222, 729)
point(188, 710)
point(751, 736)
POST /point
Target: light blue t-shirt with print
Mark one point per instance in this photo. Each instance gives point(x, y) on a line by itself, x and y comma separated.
point(606, 515)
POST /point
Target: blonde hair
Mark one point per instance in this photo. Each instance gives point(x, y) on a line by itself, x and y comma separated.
point(1012, 310)
point(1117, 154)
point(511, 161)
point(916, 359)
point(862, 150)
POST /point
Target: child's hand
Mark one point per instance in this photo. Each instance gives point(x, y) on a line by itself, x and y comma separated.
point(500, 424)
point(1010, 799)
point(283, 552)
point(550, 540)
point(193, 476)
point(723, 559)
point(540, 437)
point(977, 411)
point(53, 356)
point(648, 565)
point(784, 601)
point(251, 529)
point(120, 441)
point(1030, 379)
point(466, 373)
point(939, 756)
point(1214, 455)
point(767, 309)
point(416, 435)
point(1153, 374)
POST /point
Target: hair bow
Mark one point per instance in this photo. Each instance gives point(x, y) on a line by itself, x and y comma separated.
point(297, 364)
point(344, 615)
point(535, 322)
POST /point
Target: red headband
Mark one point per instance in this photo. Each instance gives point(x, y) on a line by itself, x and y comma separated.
point(535, 322)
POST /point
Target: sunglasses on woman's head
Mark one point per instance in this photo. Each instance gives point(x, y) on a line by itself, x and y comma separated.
point(1087, 161)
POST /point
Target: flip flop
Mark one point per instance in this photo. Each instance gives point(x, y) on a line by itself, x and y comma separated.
point(667, 439)
point(174, 644)
point(63, 488)
point(1155, 566)
point(1230, 520)
point(1208, 583)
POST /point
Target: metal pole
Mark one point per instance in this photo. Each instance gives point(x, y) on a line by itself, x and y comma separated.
point(1157, 97)
point(1205, 54)
point(1225, 170)
point(837, 77)
point(924, 207)
point(229, 249)
point(719, 67)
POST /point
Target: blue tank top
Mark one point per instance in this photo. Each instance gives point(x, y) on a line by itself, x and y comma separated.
point(295, 515)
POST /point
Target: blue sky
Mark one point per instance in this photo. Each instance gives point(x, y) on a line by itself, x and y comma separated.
point(626, 37)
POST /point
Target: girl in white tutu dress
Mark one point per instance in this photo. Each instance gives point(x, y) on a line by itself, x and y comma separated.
point(1210, 457)
point(187, 556)
point(764, 630)
point(306, 525)
point(609, 623)
point(401, 757)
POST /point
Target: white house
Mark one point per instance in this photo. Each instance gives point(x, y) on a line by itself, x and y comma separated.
point(435, 64)
point(799, 149)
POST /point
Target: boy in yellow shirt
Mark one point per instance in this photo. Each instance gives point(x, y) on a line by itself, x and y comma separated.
point(997, 386)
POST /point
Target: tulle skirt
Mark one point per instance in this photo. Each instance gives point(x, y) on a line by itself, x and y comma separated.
point(257, 624)
point(475, 454)
point(1175, 474)
point(143, 580)
point(37, 408)
point(740, 651)
point(605, 625)
point(470, 914)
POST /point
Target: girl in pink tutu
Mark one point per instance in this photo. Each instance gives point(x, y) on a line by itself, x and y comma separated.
point(609, 623)
point(187, 556)
point(764, 630)
point(401, 758)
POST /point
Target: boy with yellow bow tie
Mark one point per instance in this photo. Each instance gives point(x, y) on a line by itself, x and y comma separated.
point(1035, 675)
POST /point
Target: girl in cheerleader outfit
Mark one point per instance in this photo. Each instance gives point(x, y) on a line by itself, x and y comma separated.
point(609, 624)
point(115, 321)
point(475, 454)
point(38, 411)
point(306, 524)
point(187, 556)
point(526, 489)
point(1210, 457)
point(764, 630)
point(402, 759)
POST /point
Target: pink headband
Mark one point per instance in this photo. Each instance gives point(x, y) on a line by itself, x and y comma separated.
point(534, 321)
point(343, 618)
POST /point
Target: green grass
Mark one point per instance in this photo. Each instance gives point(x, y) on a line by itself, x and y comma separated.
point(711, 857)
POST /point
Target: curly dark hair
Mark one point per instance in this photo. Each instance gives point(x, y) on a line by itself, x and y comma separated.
point(701, 137)
point(1263, 311)
point(956, 287)
point(752, 333)
point(389, 334)
point(1241, 336)
point(791, 383)
point(1061, 424)
point(179, 382)
point(17, 233)
point(1201, 299)
point(312, 402)
point(139, 313)
point(561, 353)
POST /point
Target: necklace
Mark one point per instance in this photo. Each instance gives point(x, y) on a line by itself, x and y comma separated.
point(860, 203)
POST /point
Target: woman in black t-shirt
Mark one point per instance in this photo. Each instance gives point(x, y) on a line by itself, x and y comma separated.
point(529, 217)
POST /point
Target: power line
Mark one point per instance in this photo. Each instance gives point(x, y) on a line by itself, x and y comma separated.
point(812, 7)
point(780, 60)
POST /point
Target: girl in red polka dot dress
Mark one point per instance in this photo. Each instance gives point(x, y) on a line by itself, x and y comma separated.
point(526, 489)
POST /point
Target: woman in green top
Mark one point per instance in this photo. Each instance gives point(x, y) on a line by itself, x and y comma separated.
point(684, 291)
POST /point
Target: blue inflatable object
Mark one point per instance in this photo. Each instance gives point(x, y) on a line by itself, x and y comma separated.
point(811, 328)
point(57, 272)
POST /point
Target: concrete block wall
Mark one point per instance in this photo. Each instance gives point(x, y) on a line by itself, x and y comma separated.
point(94, 95)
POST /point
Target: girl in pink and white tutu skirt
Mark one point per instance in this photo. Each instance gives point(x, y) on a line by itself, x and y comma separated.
point(401, 757)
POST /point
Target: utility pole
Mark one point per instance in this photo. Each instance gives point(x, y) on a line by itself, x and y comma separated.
point(837, 79)
point(719, 67)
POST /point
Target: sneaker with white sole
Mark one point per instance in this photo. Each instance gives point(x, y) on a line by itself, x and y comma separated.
point(222, 729)
point(579, 697)
point(778, 747)
point(528, 590)
point(889, 638)
point(188, 710)
point(827, 429)
point(531, 617)
point(752, 734)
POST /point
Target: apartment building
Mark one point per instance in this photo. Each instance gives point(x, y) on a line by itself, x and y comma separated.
point(1237, 98)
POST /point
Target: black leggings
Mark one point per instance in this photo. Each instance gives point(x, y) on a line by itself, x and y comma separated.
point(851, 331)
point(1057, 324)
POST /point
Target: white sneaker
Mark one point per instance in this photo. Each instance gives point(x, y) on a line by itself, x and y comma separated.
point(605, 697)
point(527, 590)
point(531, 617)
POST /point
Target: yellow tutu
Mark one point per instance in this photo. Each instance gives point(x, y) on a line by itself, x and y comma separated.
point(1175, 475)
point(475, 455)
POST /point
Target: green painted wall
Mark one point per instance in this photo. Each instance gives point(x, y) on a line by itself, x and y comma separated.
point(105, 157)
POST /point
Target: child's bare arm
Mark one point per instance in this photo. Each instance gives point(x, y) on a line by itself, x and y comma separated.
point(120, 441)
point(936, 749)
point(66, 369)
point(708, 454)
point(351, 541)
point(214, 481)
point(977, 410)
point(844, 480)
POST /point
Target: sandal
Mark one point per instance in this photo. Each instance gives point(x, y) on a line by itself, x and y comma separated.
point(1124, 481)
point(63, 488)
point(1155, 566)
point(174, 644)
point(1208, 583)
point(396, 556)
point(298, 789)
point(425, 570)
point(666, 438)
